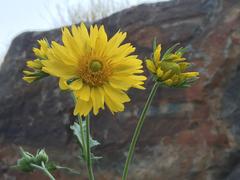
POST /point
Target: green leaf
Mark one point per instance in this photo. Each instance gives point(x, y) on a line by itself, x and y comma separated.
point(29, 162)
point(169, 51)
point(25, 154)
point(181, 50)
point(154, 43)
point(73, 171)
point(51, 166)
point(77, 131)
point(24, 165)
point(93, 157)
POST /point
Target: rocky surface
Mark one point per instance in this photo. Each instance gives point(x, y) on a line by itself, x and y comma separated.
point(190, 134)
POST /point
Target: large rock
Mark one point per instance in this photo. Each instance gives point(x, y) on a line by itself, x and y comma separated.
point(188, 134)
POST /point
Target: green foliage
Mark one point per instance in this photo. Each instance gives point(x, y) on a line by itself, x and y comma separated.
point(80, 131)
point(154, 44)
point(28, 162)
point(169, 51)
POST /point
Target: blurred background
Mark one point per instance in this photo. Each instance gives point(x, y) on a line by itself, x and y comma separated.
point(189, 134)
point(27, 15)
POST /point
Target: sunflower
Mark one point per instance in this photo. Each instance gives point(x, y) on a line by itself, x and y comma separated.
point(170, 69)
point(98, 70)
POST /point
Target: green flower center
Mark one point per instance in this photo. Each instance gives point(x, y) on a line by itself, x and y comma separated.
point(95, 65)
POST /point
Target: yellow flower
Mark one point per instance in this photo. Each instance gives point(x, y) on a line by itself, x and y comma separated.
point(36, 65)
point(96, 69)
point(171, 68)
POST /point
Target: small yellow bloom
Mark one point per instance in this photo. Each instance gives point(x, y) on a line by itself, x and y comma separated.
point(170, 68)
point(36, 65)
point(98, 70)
point(42, 51)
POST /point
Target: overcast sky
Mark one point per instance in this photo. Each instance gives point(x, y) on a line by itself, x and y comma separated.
point(17, 16)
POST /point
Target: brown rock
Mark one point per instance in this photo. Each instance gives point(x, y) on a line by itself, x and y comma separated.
point(190, 134)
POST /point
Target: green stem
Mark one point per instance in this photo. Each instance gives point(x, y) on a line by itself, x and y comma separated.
point(82, 129)
point(44, 169)
point(138, 130)
point(73, 171)
point(82, 136)
point(89, 158)
point(86, 142)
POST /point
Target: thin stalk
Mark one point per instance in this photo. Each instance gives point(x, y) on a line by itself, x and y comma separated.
point(44, 169)
point(138, 130)
point(86, 142)
point(82, 136)
point(89, 158)
point(80, 120)
point(73, 171)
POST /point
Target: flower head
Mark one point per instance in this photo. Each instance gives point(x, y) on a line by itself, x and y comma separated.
point(170, 69)
point(98, 70)
point(36, 65)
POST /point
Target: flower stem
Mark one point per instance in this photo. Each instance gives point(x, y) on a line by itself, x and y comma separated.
point(82, 136)
point(70, 170)
point(138, 130)
point(89, 158)
point(85, 142)
point(44, 169)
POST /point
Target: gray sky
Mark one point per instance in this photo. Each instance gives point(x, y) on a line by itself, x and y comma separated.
point(17, 16)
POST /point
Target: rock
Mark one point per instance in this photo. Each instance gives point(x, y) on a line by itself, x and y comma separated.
point(190, 134)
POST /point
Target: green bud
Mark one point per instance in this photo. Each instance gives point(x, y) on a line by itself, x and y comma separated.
point(24, 164)
point(41, 156)
point(50, 166)
point(174, 67)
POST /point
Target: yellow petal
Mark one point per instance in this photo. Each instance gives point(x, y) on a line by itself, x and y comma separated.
point(82, 107)
point(129, 80)
point(168, 82)
point(35, 64)
point(156, 54)
point(29, 79)
point(114, 106)
point(119, 84)
point(81, 38)
point(139, 86)
point(62, 84)
point(166, 75)
point(114, 42)
point(84, 93)
point(183, 66)
point(76, 85)
point(70, 43)
point(63, 53)
point(159, 72)
point(150, 65)
point(97, 96)
point(190, 74)
point(126, 65)
point(175, 58)
point(123, 50)
point(116, 94)
point(101, 42)
point(175, 79)
point(93, 36)
point(59, 69)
